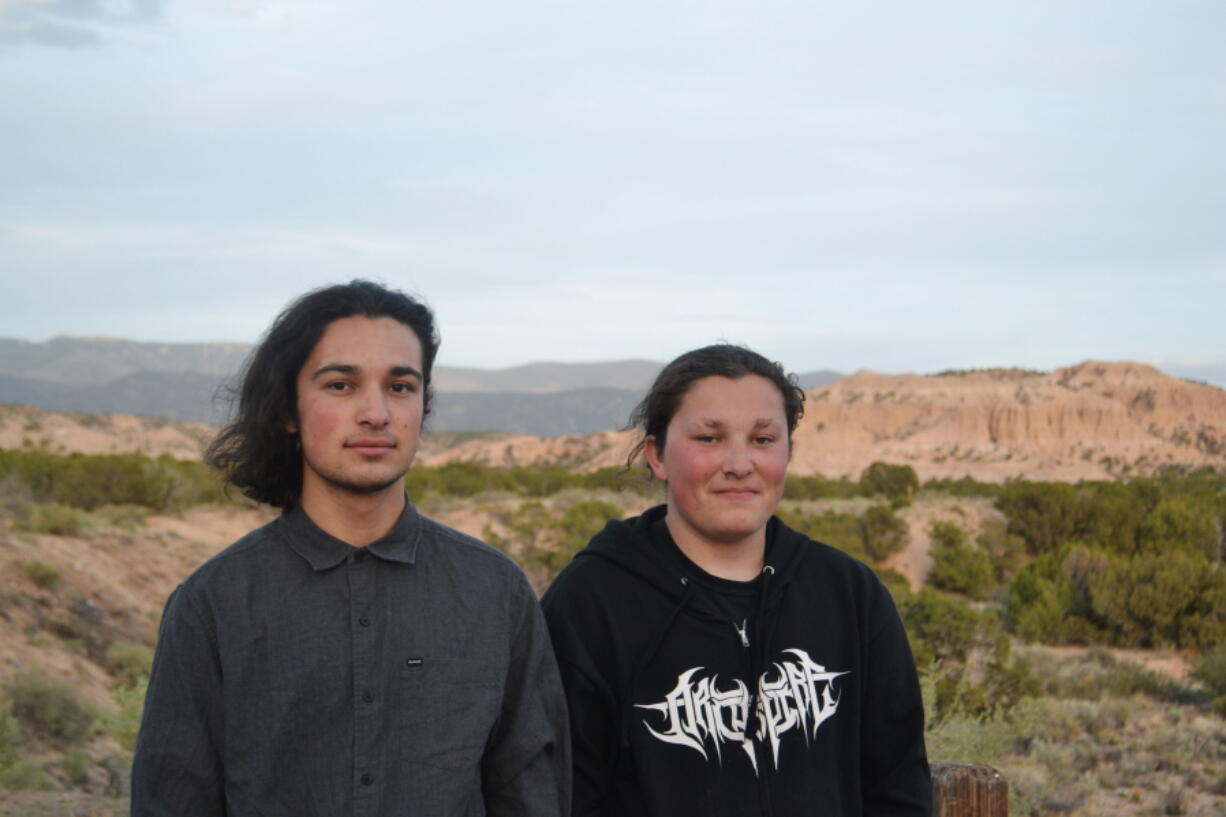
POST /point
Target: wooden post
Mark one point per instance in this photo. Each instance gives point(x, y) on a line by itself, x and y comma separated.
point(968, 790)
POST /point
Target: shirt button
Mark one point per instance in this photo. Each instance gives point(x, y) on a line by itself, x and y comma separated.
point(367, 779)
point(367, 697)
point(364, 621)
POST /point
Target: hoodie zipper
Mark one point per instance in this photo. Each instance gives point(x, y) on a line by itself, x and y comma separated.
point(742, 631)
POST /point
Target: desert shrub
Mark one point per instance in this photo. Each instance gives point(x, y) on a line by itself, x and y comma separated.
point(1098, 673)
point(622, 480)
point(125, 517)
point(61, 520)
point(882, 532)
point(892, 481)
point(48, 707)
point(815, 486)
point(1174, 524)
point(1006, 551)
point(836, 528)
point(896, 583)
point(88, 481)
point(1043, 514)
point(44, 575)
point(944, 629)
point(956, 566)
point(24, 775)
point(1210, 670)
point(74, 763)
point(965, 738)
point(128, 662)
point(966, 657)
point(964, 487)
point(551, 541)
point(1174, 599)
point(10, 735)
point(585, 519)
point(124, 723)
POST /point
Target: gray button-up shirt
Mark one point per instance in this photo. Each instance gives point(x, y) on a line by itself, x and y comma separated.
point(297, 675)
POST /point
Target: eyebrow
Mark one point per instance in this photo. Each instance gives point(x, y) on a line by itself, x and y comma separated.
point(349, 368)
point(762, 422)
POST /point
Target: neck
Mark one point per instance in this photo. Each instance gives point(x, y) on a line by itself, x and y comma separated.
point(739, 561)
point(356, 519)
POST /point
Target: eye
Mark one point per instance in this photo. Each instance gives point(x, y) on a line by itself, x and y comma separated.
point(336, 386)
point(764, 439)
point(706, 438)
point(403, 387)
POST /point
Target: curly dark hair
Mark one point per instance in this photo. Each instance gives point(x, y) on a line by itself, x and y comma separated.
point(257, 453)
point(653, 414)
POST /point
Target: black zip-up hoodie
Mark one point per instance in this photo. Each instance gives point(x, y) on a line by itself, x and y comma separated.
point(677, 709)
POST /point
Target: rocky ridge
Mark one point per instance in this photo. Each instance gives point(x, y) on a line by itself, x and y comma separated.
point(1094, 420)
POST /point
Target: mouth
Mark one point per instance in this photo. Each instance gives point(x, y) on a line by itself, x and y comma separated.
point(737, 493)
point(370, 447)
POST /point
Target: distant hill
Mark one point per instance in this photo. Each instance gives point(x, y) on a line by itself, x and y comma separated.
point(1093, 420)
point(80, 362)
point(187, 382)
point(575, 411)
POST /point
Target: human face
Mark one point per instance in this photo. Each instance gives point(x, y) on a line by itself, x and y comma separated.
point(725, 459)
point(360, 408)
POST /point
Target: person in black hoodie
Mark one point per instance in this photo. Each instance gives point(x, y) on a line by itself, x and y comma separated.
point(715, 661)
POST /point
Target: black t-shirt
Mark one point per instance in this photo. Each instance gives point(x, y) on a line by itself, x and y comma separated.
point(737, 601)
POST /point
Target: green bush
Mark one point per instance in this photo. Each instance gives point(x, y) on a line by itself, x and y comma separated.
point(964, 487)
point(124, 723)
point(815, 486)
point(835, 528)
point(75, 763)
point(1043, 514)
point(891, 481)
point(882, 532)
point(128, 662)
point(24, 775)
point(125, 517)
point(44, 575)
point(48, 707)
point(1006, 551)
point(57, 519)
point(956, 566)
point(1210, 670)
point(1175, 599)
point(10, 735)
point(88, 481)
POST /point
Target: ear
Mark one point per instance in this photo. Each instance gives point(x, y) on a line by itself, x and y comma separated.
point(655, 458)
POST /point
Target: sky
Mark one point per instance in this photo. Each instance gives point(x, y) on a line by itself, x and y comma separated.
point(898, 186)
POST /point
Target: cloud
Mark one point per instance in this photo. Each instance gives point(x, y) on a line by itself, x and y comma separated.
point(71, 24)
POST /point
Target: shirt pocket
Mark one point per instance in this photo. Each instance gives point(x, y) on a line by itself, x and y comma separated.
point(449, 708)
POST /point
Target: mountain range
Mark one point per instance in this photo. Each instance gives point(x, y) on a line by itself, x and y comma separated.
point(188, 382)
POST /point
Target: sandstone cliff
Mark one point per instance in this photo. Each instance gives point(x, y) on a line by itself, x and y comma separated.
point(1093, 420)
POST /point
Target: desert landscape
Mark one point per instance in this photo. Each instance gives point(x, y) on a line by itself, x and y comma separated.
point(928, 478)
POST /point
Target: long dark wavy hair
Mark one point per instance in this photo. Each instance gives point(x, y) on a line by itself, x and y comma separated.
point(257, 453)
point(653, 414)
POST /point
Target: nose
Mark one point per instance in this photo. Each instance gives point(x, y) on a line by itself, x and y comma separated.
point(372, 411)
point(738, 460)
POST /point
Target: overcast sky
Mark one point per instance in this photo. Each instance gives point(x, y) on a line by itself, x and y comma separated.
point(902, 186)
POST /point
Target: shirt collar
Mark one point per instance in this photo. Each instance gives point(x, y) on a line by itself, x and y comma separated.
point(323, 551)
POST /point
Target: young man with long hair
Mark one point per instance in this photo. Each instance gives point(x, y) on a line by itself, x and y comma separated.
point(352, 657)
